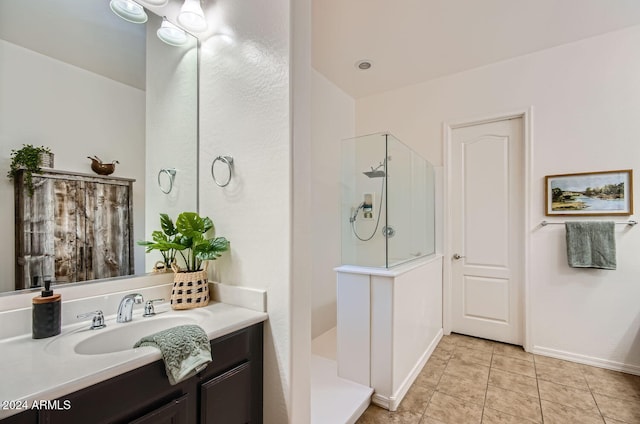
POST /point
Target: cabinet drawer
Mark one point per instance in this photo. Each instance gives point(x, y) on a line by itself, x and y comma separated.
point(227, 352)
point(121, 399)
point(174, 412)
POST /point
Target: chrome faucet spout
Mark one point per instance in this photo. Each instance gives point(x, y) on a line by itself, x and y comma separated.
point(125, 309)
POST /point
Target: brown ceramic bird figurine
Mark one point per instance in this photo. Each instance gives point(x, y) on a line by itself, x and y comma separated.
point(102, 168)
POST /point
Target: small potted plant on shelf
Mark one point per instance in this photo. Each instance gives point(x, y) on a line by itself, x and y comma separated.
point(29, 159)
point(192, 239)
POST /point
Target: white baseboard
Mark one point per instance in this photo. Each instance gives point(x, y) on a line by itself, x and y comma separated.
point(587, 360)
point(392, 402)
point(381, 401)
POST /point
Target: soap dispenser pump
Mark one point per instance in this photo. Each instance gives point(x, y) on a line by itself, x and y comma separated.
point(46, 316)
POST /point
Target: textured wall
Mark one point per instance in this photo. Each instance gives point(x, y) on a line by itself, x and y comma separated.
point(245, 113)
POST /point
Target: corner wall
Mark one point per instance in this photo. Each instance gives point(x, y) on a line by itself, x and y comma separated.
point(332, 120)
point(586, 100)
point(246, 112)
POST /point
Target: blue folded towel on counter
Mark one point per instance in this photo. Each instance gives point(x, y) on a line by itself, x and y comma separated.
point(591, 244)
point(185, 350)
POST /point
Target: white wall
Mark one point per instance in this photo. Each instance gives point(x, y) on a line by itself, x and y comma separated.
point(74, 112)
point(246, 111)
point(332, 120)
point(586, 100)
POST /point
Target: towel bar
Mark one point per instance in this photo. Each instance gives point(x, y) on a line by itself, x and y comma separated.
point(630, 222)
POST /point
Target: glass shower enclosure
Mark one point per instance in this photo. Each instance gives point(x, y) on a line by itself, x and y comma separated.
point(387, 207)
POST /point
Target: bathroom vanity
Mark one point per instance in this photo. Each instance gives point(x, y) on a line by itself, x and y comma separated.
point(96, 376)
point(229, 390)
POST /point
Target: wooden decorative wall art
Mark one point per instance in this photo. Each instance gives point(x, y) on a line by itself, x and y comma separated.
point(75, 227)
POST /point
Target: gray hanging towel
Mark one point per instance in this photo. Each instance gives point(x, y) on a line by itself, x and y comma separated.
point(591, 244)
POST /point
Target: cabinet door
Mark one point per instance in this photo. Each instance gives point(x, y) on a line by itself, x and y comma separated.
point(175, 412)
point(226, 399)
point(107, 231)
point(46, 237)
point(74, 228)
point(34, 221)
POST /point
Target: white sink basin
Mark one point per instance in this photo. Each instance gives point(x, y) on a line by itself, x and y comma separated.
point(118, 337)
point(122, 336)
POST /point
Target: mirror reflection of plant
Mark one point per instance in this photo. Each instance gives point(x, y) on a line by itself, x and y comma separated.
point(163, 240)
point(28, 158)
point(192, 236)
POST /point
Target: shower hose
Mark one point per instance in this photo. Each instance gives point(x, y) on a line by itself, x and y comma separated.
point(353, 221)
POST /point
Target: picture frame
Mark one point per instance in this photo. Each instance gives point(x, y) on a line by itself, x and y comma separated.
point(589, 193)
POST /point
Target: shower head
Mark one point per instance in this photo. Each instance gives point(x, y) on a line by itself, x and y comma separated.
point(374, 174)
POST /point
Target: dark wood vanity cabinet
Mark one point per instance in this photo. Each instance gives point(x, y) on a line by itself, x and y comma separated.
point(75, 227)
point(26, 417)
point(228, 391)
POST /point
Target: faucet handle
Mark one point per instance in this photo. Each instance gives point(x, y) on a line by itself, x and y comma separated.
point(98, 319)
point(149, 311)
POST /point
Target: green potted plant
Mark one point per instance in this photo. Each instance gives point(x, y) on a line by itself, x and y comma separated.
point(193, 239)
point(29, 159)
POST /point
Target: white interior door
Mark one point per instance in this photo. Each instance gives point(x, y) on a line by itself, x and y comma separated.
point(487, 168)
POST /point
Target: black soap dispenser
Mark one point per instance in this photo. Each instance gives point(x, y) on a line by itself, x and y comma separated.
point(46, 317)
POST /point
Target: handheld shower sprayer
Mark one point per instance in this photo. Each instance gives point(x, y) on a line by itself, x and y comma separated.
point(352, 219)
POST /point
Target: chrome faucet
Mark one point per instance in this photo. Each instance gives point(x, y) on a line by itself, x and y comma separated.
point(125, 309)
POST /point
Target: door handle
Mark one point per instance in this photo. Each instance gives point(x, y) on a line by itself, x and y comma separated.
point(457, 256)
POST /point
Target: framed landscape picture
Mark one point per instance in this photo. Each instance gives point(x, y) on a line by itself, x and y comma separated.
point(590, 193)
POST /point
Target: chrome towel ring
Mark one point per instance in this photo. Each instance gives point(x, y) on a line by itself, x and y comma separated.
point(227, 160)
point(171, 173)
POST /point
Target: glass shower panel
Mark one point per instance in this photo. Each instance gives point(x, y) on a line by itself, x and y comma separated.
point(363, 201)
point(410, 231)
point(398, 228)
point(387, 207)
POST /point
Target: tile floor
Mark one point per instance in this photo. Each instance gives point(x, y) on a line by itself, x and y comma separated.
point(470, 380)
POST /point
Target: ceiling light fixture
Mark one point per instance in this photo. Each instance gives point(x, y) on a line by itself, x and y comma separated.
point(363, 64)
point(191, 16)
point(129, 11)
point(171, 34)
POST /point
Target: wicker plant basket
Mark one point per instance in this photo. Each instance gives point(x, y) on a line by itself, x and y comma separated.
point(190, 289)
point(46, 160)
point(160, 267)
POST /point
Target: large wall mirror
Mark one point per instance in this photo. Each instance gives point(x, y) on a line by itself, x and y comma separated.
point(78, 79)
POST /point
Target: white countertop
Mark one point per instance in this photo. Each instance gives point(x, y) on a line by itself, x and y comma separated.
point(31, 371)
